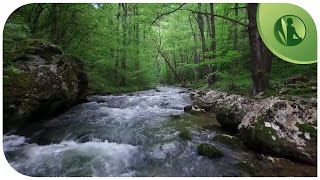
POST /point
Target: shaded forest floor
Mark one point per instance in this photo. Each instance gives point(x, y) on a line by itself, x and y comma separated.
point(286, 80)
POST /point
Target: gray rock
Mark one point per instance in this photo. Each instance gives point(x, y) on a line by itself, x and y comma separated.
point(46, 83)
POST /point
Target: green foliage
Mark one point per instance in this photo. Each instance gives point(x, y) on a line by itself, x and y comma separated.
point(120, 42)
point(15, 30)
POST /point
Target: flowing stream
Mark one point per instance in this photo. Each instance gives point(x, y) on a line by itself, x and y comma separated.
point(121, 135)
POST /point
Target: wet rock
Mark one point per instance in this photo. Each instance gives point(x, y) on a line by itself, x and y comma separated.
point(101, 101)
point(229, 119)
point(264, 137)
point(44, 83)
point(197, 94)
point(193, 110)
point(181, 92)
point(209, 151)
point(187, 108)
point(247, 169)
point(267, 125)
point(228, 140)
point(185, 134)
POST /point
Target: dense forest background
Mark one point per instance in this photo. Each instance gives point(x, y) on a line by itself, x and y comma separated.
point(128, 47)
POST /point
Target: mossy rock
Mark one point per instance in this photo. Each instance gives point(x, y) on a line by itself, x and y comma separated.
point(265, 140)
point(307, 128)
point(247, 169)
point(185, 134)
point(228, 140)
point(40, 83)
point(39, 47)
point(228, 119)
point(209, 151)
point(262, 138)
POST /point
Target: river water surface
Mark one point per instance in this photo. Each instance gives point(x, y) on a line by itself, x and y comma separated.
point(121, 135)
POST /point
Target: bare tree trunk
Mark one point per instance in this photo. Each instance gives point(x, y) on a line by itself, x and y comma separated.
point(261, 57)
point(235, 33)
point(137, 37)
point(124, 44)
point(195, 54)
point(208, 23)
point(202, 37)
point(117, 50)
point(173, 71)
point(213, 30)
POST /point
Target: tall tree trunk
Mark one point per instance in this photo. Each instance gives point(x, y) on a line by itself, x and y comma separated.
point(213, 30)
point(124, 44)
point(117, 50)
point(235, 33)
point(202, 37)
point(196, 58)
point(137, 38)
point(261, 57)
point(208, 23)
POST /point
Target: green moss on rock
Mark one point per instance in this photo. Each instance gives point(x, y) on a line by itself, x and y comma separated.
point(185, 134)
point(247, 169)
point(209, 151)
point(228, 140)
point(306, 128)
point(262, 138)
point(228, 119)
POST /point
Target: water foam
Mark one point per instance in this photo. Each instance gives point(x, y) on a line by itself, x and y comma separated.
point(69, 157)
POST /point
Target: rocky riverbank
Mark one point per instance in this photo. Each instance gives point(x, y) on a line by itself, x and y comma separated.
point(271, 126)
point(41, 81)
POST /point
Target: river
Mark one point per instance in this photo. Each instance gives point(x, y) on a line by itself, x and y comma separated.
point(133, 134)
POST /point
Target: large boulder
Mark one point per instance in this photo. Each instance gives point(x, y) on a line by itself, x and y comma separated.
point(281, 128)
point(40, 82)
point(272, 126)
point(229, 119)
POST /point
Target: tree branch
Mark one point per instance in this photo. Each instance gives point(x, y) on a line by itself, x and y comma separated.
point(217, 15)
point(159, 16)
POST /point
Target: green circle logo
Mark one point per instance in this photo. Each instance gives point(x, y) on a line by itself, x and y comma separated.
point(290, 30)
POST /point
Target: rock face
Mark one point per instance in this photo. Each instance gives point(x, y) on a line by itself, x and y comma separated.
point(272, 126)
point(41, 82)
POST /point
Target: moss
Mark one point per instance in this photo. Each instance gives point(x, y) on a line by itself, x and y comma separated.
point(209, 151)
point(262, 138)
point(189, 121)
point(306, 128)
point(228, 140)
point(185, 134)
point(247, 169)
point(227, 119)
point(36, 42)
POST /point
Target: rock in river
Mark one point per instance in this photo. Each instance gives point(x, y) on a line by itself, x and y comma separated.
point(273, 126)
point(209, 151)
point(41, 82)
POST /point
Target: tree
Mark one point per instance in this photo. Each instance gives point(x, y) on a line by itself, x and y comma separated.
point(261, 57)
